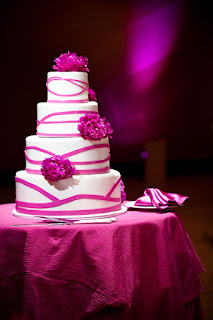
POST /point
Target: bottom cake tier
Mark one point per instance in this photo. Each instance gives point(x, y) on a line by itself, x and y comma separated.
point(80, 195)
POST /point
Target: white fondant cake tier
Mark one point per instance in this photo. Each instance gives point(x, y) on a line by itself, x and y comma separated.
point(67, 86)
point(78, 195)
point(87, 156)
point(62, 119)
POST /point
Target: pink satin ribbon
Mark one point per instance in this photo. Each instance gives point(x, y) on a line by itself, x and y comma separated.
point(26, 207)
point(68, 135)
point(73, 112)
point(68, 212)
point(159, 199)
point(89, 171)
point(81, 84)
point(68, 155)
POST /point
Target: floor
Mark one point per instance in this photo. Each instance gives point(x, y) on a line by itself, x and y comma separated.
point(197, 215)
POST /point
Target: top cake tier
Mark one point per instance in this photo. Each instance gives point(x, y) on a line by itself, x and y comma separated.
point(71, 109)
point(67, 87)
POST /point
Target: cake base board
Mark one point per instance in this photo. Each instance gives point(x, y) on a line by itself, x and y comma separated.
point(44, 216)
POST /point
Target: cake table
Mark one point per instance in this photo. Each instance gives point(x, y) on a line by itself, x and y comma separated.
point(143, 266)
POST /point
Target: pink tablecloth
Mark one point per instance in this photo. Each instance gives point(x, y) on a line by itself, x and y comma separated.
point(141, 267)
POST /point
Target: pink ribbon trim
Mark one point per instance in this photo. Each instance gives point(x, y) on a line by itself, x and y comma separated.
point(36, 188)
point(58, 134)
point(81, 84)
point(78, 83)
point(68, 212)
point(113, 188)
point(73, 162)
point(57, 202)
point(54, 122)
point(89, 171)
point(68, 101)
point(42, 121)
point(70, 154)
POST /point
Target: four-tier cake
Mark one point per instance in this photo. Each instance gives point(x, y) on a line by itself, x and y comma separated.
point(68, 170)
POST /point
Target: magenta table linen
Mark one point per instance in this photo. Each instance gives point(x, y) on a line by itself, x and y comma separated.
point(141, 267)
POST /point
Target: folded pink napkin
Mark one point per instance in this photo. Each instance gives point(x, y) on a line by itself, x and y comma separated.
point(159, 199)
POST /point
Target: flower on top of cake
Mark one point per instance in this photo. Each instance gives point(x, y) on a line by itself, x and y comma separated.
point(71, 62)
point(57, 168)
point(93, 127)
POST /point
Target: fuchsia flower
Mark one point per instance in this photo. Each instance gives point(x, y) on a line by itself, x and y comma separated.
point(71, 62)
point(123, 193)
point(57, 168)
point(92, 127)
point(92, 95)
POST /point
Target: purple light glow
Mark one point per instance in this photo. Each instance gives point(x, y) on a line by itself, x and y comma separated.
point(136, 106)
point(151, 39)
point(144, 154)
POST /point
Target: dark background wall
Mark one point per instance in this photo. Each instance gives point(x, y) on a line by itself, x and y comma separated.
point(151, 67)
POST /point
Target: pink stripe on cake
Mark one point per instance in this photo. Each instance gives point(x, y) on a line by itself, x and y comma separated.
point(90, 162)
point(57, 134)
point(68, 212)
point(68, 154)
point(89, 171)
point(73, 112)
point(78, 83)
point(84, 149)
point(114, 186)
point(68, 101)
point(58, 203)
point(40, 150)
point(54, 122)
point(33, 186)
point(37, 162)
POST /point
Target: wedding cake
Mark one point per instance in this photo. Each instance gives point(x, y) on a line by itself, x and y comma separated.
point(68, 170)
